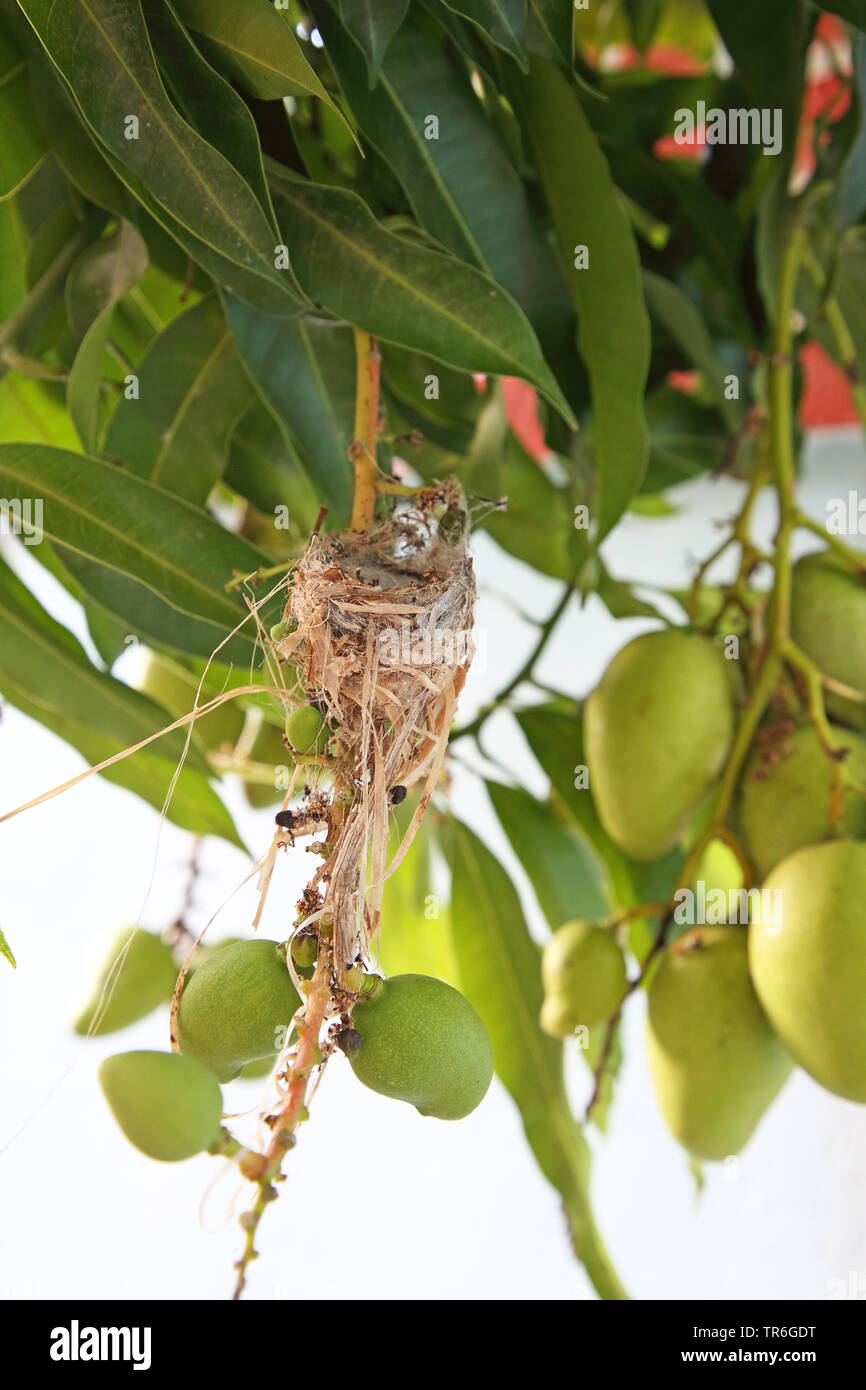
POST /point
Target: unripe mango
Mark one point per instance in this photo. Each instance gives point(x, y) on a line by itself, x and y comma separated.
point(422, 1042)
point(306, 729)
point(715, 1061)
point(657, 731)
point(237, 1007)
point(785, 805)
point(267, 748)
point(144, 981)
point(583, 973)
point(810, 971)
point(175, 688)
point(828, 620)
point(169, 1107)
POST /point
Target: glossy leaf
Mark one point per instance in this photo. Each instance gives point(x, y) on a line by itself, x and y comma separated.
point(98, 279)
point(105, 57)
point(22, 146)
point(613, 333)
point(305, 373)
point(555, 21)
point(462, 184)
point(373, 24)
point(192, 392)
point(565, 874)
point(205, 99)
point(503, 21)
point(264, 469)
point(500, 972)
point(683, 320)
point(350, 265)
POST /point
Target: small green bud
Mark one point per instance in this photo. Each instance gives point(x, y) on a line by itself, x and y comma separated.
point(305, 948)
point(280, 631)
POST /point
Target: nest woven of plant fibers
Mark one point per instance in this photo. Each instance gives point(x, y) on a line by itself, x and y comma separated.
point(383, 640)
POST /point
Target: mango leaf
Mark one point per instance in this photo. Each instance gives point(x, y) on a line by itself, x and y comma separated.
point(852, 10)
point(555, 22)
point(462, 184)
point(23, 145)
point(6, 950)
point(105, 57)
point(613, 330)
point(416, 936)
point(192, 392)
point(256, 46)
point(503, 21)
point(32, 411)
point(565, 874)
point(768, 45)
point(682, 319)
point(500, 973)
point(531, 527)
point(305, 373)
point(13, 245)
point(265, 470)
point(206, 100)
point(43, 657)
point(98, 279)
point(373, 24)
point(644, 17)
point(403, 292)
point(131, 537)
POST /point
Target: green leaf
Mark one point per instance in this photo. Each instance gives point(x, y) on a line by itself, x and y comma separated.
point(22, 146)
point(350, 265)
point(13, 251)
point(206, 100)
point(129, 533)
point(503, 21)
point(534, 525)
point(33, 411)
point(263, 469)
point(852, 10)
point(6, 950)
point(256, 45)
point(192, 392)
point(416, 936)
point(43, 658)
point(373, 24)
point(500, 973)
point(768, 45)
point(613, 335)
point(683, 320)
point(566, 876)
point(462, 185)
point(104, 55)
point(305, 373)
point(97, 280)
point(644, 17)
point(555, 21)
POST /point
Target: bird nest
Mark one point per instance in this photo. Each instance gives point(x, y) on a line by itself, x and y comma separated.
point(383, 641)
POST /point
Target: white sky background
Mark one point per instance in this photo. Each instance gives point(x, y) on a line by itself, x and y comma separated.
point(380, 1203)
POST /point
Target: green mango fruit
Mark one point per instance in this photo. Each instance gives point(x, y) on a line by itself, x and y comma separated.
point(785, 805)
point(175, 688)
point(583, 973)
point(169, 1107)
point(828, 621)
point(657, 732)
point(422, 1042)
point(237, 1007)
point(306, 729)
point(715, 1062)
point(145, 980)
point(810, 969)
point(267, 748)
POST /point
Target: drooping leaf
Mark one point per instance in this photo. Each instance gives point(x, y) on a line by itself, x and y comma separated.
point(644, 17)
point(500, 972)
point(206, 100)
point(685, 323)
point(503, 21)
point(192, 391)
point(373, 24)
point(305, 373)
point(98, 279)
point(458, 176)
point(555, 21)
point(22, 146)
point(416, 936)
point(613, 331)
point(405, 293)
point(768, 45)
point(104, 55)
point(144, 554)
point(565, 874)
point(265, 470)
